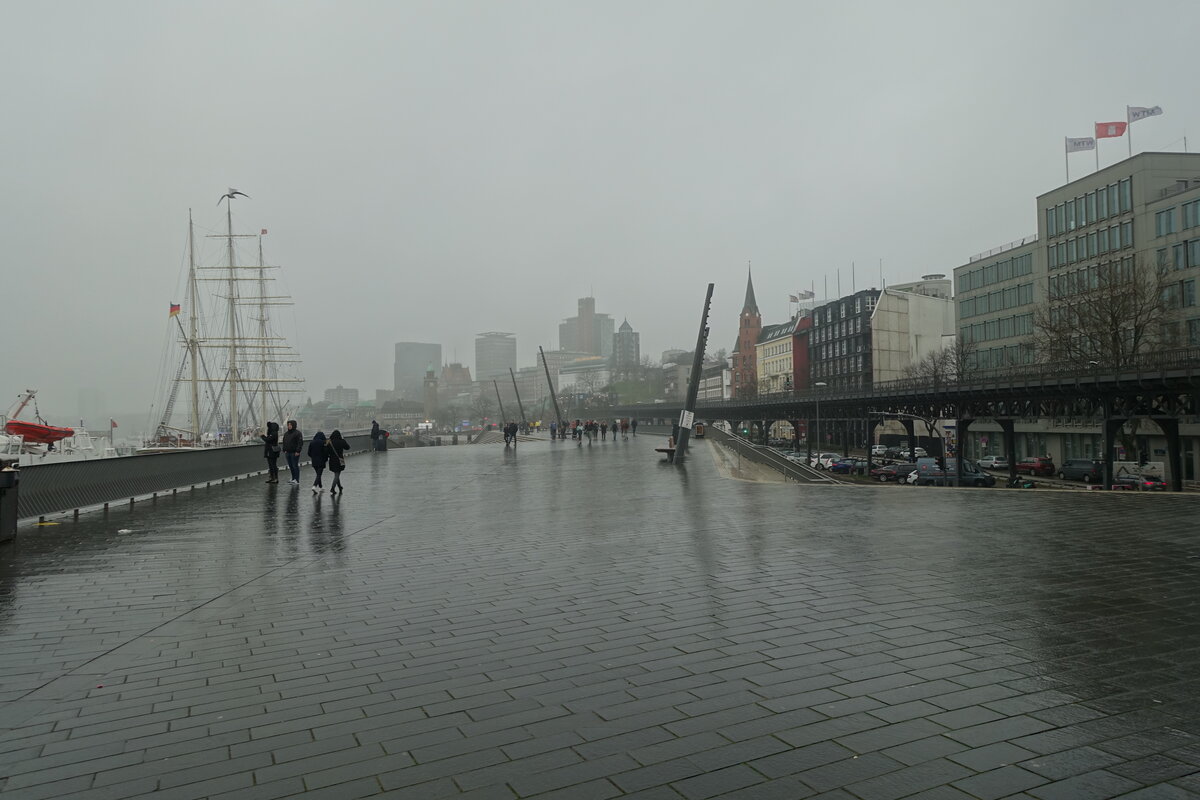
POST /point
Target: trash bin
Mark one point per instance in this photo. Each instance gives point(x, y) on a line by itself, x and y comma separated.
point(9, 480)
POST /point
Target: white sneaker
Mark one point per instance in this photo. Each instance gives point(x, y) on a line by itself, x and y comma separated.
point(294, 483)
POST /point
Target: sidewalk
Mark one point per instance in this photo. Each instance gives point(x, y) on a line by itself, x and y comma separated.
point(575, 621)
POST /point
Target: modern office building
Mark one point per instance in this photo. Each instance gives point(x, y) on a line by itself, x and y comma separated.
point(495, 355)
point(1139, 215)
point(587, 332)
point(839, 345)
point(346, 398)
point(413, 359)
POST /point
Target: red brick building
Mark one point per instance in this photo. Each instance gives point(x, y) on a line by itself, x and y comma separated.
point(744, 368)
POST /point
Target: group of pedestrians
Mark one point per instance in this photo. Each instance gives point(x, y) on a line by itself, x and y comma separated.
point(511, 429)
point(322, 453)
point(591, 429)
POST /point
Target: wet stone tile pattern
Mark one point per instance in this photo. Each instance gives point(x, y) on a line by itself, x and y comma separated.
point(589, 622)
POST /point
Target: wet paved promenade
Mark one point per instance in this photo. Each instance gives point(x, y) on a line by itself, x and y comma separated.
point(589, 622)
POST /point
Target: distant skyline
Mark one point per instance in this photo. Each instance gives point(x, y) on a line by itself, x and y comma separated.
point(431, 170)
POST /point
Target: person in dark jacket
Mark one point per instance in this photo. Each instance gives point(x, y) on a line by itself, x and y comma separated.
point(271, 451)
point(317, 458)
point(336, 449)
point(292, 443)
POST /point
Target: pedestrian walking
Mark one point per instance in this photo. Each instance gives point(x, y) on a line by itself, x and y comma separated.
point(271, 451)
point(317, 458)
point(553, 430)
point(293, 441)
point(336, 448)
point(603, 431)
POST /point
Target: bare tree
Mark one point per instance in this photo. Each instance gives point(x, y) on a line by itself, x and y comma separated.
point(951, 364)
point(1106, 315)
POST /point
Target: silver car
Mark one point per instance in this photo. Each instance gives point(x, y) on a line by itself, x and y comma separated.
point(993, 462)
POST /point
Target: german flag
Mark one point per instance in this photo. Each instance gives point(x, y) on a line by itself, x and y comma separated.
point(174, 309)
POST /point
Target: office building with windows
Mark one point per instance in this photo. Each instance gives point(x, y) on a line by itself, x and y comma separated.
point(587, 332)
point(413, 359)
point(774, 356)
point(839, 344)
point(1140, 214)
point(495, 355)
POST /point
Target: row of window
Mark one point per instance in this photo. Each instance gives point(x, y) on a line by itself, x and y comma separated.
point(1164, 221)
point(1181, 255)
point(847, 327)
point(842, 310)
point(783, 346)
point(840, 348)
point(1008, 356)
point(1101, 204)
point(998, 272)
point(1081, 248)
point(1090, 277)
point(993, 329)
point(999, 300)
point(838, 366)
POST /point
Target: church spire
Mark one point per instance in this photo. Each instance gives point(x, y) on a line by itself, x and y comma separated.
point(750, 305)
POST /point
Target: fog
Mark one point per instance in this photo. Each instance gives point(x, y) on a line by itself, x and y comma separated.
point(428, 171)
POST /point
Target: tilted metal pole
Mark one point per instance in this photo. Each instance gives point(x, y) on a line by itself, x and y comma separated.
point(517, 392)
point(689, 405)
point(557, 414)
point(503, 418)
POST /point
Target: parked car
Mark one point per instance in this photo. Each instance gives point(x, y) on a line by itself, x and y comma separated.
point(916, 452)
point(1082, 469)
point(879, 450)
point(824, 460)
point(1145, 483)
point(892, 472)
point(929, 473)
point(993, 462)
point(849, 466)
point(1036, 465)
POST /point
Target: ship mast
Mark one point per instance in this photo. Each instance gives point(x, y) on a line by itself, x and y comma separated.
point(262, 331)
point(234, 428)
point(193, 338)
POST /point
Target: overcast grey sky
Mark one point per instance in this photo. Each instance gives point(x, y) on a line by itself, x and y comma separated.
point(431, 170)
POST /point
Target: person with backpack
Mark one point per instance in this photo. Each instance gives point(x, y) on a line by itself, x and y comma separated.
point(317, 458)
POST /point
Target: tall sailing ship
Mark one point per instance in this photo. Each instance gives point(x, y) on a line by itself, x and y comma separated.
point(236, 370)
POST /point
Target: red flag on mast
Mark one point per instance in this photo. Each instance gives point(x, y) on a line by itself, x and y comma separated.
point(1110, 130)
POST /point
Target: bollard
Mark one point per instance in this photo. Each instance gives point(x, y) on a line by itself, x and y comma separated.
point(9, 480)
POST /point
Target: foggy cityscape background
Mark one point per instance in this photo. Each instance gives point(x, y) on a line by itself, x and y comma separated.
point(429, 171)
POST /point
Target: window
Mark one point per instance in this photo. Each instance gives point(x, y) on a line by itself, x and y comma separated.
point(1091, 207)
point(1051, 228)
point(858, 305)
point(1102, 237)
point(1102, 204)
point(1179, 255)
point(1126, 234)
point(1060, 213)
point(1193, 253)
point(1164, 222)
point(1071, 255)
point(1126, 195)
point(1025, 293)
point(1193, 331)
point(1070, 215)
point(1187, 293)
point(1160, 258)
point(1114, 204)
point(1191, 214)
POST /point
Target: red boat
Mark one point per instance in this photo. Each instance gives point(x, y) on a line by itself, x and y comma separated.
point(37, 433)
point(34, 432)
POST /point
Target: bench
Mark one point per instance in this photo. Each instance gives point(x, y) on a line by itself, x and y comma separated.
point(670, 452)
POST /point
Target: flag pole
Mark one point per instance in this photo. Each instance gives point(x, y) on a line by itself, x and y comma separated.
point(1129, 131)
point(1067, 160)
point(1097, 155)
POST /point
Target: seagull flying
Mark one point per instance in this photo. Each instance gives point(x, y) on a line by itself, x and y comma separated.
point(231, 193)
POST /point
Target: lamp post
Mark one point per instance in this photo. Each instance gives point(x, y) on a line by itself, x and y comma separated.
point(819, 385)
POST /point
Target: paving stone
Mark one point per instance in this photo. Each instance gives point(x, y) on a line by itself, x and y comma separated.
point(660, 646)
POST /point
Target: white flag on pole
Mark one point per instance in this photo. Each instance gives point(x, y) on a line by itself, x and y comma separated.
point(805, 295)
point(1074, 145)
point(1134, 113)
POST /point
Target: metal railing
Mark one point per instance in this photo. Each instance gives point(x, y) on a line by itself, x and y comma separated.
point(768, 457)
point(1004, 248)
point(72, 485)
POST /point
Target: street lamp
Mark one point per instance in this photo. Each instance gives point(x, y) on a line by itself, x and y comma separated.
point(819, 385)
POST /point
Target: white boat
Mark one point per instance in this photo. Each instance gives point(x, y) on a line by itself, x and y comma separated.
point(236, 368)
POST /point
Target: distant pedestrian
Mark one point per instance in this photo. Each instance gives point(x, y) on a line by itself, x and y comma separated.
point(630, 424)
point(271, 451)
point(553, 430)
point(336, 448)
point(603, 431)
point(292, 443)
point(317, 458)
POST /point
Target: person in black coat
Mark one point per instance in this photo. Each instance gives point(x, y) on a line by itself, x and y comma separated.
point(317, 458)
point(271, 451)
point(336, 449)
point(292, 443)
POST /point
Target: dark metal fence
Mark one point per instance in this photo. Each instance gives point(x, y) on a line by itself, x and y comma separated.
point(69, 485)
point(768, 457)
